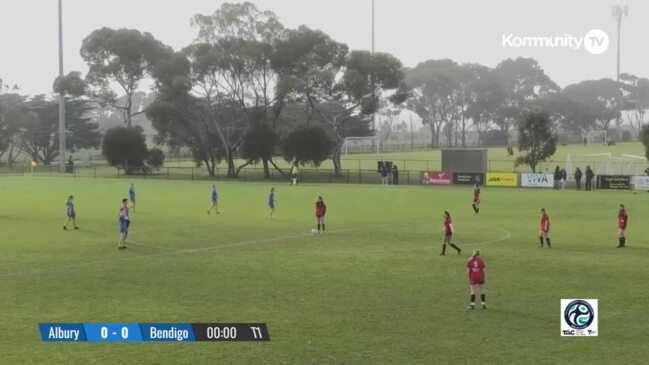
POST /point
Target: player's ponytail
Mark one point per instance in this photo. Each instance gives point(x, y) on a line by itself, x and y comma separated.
point(476, 253)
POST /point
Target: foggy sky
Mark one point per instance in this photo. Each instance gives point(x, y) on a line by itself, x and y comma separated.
point(412, 30)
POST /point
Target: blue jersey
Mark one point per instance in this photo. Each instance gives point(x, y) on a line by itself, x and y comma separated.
point(131, 194)
point(69, 208)
point(214, 196)
point(271, 200)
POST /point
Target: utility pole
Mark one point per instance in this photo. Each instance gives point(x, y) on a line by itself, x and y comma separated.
point(61, 94)
point(619, 12)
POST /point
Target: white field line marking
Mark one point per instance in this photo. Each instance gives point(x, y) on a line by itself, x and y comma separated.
point(183, 251)
point(506, 235)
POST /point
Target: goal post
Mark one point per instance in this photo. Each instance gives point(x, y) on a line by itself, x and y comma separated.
point(596, 137)
point(607, 164)
point(362, 144)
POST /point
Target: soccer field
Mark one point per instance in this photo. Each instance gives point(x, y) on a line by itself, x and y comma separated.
point(372, 290)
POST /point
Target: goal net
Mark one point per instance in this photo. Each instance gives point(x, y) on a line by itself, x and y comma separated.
point(596, 137)
point(361, 145)
point(607, 164)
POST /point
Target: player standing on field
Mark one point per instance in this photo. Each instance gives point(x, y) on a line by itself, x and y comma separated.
point(622, 220)
point(70, 213)
point(131, 196)
point(476, 269)
point(271, 203)
point(124, 223)
point(544, 232)
point(215, 200)
point(448, 234)
point(476, 199)
point(320, 211)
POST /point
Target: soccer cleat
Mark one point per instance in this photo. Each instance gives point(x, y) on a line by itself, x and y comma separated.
point(65, 228)
point(459, 251)
point(471, 307)
point(75, 227)
point(442, 254)
point(484, 306)
point(208, 212)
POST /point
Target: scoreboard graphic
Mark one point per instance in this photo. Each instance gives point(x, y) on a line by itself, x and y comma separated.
point(153, 332)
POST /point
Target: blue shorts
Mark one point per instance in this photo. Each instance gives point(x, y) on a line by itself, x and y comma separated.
point(133, 200)
point(123, 226)
point(214, 201)
point(271, 206)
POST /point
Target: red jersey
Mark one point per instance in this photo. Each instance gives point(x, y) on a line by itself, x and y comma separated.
point(448, 226)
point(545, 223)
point(622, 219)
point(476, 268)
point(320, 209)
point(476, 195)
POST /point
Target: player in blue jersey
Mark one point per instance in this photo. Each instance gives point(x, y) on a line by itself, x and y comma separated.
point(131, 196)
point(124, 223)
point(71, 215)
point(271, 203)
point(215, 200)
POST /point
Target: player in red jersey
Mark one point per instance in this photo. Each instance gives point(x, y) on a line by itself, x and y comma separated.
point(476, 269)
point(544, 232)
point(320, 211)
point(622, 220)
point(448, 234)
point(476, 199)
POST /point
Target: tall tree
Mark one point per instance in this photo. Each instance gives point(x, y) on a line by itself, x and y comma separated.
point(484, 98)
point(524, 81)
point(13, 113)
point(602, 99)
point(638, 100)
point(355, 85)
point(535, 138)
point(182, 119)
point(118, 60)
point(435, 93)
point(233, 65)
point(39, 132)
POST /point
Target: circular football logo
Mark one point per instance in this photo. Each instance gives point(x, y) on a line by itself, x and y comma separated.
point(579, 314)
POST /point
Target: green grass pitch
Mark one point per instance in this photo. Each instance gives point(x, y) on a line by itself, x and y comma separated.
point(373, 290)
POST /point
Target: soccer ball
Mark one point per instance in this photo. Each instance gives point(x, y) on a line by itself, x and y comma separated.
point(313, 230)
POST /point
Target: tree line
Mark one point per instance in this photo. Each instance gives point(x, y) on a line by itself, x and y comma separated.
point(248, 89)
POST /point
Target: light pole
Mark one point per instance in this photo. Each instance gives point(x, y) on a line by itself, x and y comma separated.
point(372, 26)
point(619, 12)
point(61, 94)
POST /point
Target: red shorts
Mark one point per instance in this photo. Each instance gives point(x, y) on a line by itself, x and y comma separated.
point(479, 282)
point(476, 201)
point(319, 215)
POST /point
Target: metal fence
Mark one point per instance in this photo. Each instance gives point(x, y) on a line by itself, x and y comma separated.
point(364, 173)
point(347, 176)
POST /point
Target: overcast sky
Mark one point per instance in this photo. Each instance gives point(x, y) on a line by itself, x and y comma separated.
point(412, 30)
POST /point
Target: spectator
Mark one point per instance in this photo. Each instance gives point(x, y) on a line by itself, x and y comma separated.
point(70, 166)
point(578, 178)
point(557, 177)
point(395, 175)
point(384, 174)
point(589, 179)
point(564, 178)
point(294, 174)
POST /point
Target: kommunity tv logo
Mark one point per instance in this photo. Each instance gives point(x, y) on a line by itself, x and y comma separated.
point(595, 41)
